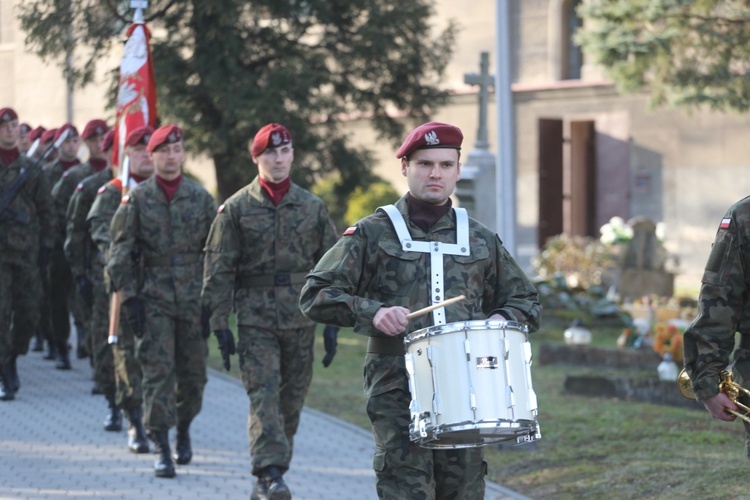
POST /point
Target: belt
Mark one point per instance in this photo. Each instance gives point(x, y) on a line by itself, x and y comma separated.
point(381, 345)
point(745, 341)
point(277, 279)
point(177, 259)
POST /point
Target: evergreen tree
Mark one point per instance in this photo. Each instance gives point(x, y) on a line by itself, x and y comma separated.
point(226, 68)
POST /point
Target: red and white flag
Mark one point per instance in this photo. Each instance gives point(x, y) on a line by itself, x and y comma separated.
point(136, 95)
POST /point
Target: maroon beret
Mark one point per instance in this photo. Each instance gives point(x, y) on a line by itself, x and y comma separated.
point(108, 141)
point(140, 135)
point(25, 128)
point(67, 126)
point(431, 135)
point(168, 134)
point(48, 135)
point(272, 135)
point(37, 133)
point(95, 127)
point(7, 115)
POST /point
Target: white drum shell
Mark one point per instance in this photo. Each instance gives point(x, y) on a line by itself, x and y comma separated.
point(471, 384)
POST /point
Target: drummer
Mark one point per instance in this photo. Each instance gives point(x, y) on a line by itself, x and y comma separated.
point(405, 257)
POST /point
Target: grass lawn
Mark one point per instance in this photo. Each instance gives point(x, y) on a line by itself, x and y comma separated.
point(590, 447)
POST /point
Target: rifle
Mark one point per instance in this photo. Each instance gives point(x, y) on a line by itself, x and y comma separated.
point(115, 303)
point(10, 214)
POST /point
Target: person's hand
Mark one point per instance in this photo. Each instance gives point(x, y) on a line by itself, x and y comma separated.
point(205, 322)
point(718, 405)
point(330, 341)
point(135, 315)
point(83, 283)
point(391, 320)
point(226, 345)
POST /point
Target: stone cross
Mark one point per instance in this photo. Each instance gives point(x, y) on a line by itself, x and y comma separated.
point(484, 80)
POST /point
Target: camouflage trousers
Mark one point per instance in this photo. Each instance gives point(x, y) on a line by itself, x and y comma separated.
point(127, 369)
point(98, 328)
point(59, 293)
point(20, 298)
point(402, 468)
point(276, 368)
point(172, 353)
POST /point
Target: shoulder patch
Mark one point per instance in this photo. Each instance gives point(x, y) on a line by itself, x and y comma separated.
point(725, 223)
point(79, 186)
point(350, 231)
point(65, 174)
point(220, 209)
point(125, 199)
point(101, 189)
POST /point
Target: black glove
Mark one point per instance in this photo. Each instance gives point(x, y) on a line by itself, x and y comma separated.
point(84, 289)
point(330, 340)
point(226, 345)
point(135, 314)
point(205, 322)
point(42, 259)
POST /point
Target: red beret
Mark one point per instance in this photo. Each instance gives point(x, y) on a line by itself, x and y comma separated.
point(140, 135)
point(48, 135)
point(168, 134)
point(431, 135)
point(7, 115)
point(272, 135)
point(95, 127)
point(67, 126)
point(108, 141)
point(25, 128)
point(37, 133)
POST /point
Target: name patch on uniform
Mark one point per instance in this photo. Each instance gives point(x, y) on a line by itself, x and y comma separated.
point(725, 222)
point(350, 230)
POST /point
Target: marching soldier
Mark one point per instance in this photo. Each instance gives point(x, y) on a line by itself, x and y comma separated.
point(26, 235)
point(62, 191)
point(88, 273)
point(129, 395)
point(164, 222)
point(59, 277)
point(24, 139)
point(381, 269)
point(265, 238)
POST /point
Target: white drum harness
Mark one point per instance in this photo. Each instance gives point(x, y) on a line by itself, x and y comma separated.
point(436, 249)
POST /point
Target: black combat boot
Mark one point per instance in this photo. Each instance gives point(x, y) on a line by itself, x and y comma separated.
point(6, 393)
point(183, 452)
point(51, 351)
point(37, 344)
point(271, 486)
point(163, 466)
point(15, 383)
point(137, 442)
point(63, 357)
point(113, 422)
point(82, 350)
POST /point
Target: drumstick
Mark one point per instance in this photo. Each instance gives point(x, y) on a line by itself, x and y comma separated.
point(434, 306)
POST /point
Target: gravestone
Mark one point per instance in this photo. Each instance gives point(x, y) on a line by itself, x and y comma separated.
point(475, 190)
point(642, 271)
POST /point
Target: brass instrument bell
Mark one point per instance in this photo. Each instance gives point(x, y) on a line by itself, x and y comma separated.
point(726, 385)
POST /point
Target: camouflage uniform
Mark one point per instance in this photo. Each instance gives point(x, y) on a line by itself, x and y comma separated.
point(85, 260)
point(168, 238)
point(20, 285)
point(723, 310)
point(257, 255)
point(367, 269)
point(127, 368)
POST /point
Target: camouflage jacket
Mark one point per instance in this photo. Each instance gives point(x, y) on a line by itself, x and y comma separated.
point(63, 190)
point(167, 238)
point(253, 239)
point(18, 241)
point(723, 306)
point(367, 269)
point(79, 248)
point(100, 215)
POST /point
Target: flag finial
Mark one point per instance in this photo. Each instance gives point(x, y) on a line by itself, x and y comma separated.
point(139, 6)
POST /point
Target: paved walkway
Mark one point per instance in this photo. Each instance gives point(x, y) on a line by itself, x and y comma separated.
point(53, 445)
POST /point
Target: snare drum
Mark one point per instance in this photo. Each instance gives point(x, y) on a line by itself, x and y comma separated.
point(470, 385)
